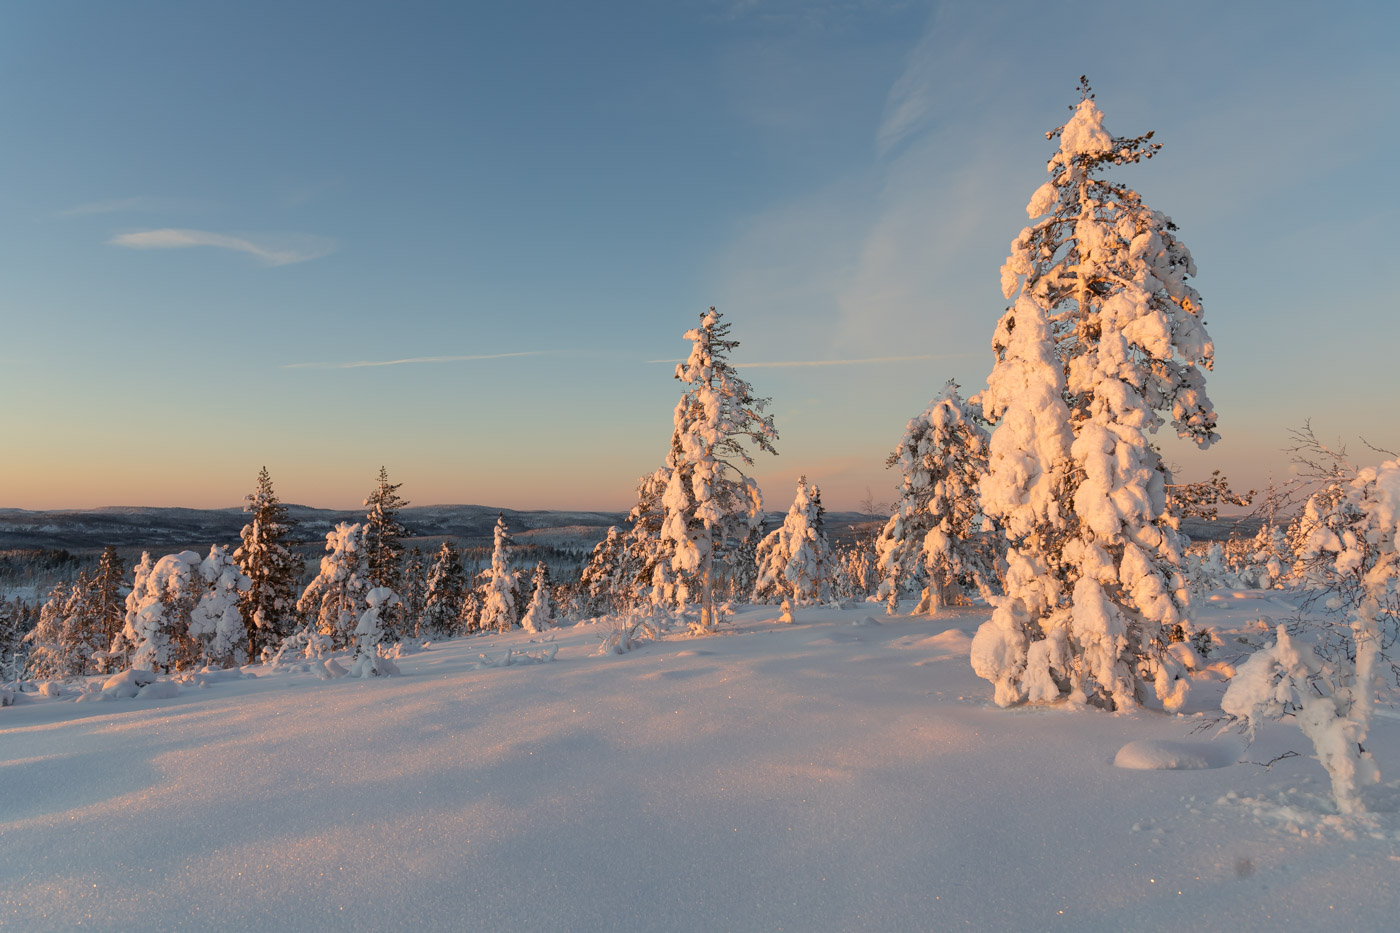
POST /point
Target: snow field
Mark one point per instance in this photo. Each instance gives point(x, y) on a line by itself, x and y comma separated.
point(845, 772)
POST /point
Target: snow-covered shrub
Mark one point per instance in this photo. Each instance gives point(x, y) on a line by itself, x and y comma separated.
point(368, 660)
point(1104, 337)
point(630, 630)
point(1350, 547)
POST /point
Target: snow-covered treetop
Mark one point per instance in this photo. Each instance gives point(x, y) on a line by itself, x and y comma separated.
point(720, 408)
point(1112, 279)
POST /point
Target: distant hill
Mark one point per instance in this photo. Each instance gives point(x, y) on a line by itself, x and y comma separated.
point(165, 530)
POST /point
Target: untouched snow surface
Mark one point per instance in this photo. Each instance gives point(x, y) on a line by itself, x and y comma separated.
point(824, 775)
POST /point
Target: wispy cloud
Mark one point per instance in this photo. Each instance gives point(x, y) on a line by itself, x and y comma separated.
point(784, 364)
point(125, 206)
point(361, 364)
point(275, 251)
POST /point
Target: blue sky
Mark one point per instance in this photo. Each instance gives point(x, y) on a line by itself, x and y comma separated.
point(204, 198)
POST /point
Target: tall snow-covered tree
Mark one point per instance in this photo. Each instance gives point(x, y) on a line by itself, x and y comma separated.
point(499, 604)
point(333, 602)
point(447, 584)
point(216, 623)
point(710, 504)
point(384, 545)
point(1104, 337)
point(109, 591)
point(794, 560)
point(539, 615)
point(937, 532)
point(268, 606)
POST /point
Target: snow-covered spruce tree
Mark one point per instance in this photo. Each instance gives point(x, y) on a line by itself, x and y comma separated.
point(415, 591)
point(602, 583)
point(937, 531)
point(384, 545)
point(216, 624)
point(710, 504)
point(108, 599)
point(499, 609)
point(469, 614)
point(268, 607)
point(55, 648)
point(794, 560)
point(646, 575)
point(1104, 335)
point(158, 618)
point(333, 601)
point(539, 615)
point(1353, 548)
point(119, 655)
point(442, 604)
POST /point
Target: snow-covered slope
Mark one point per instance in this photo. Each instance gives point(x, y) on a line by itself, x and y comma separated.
point(847, 772)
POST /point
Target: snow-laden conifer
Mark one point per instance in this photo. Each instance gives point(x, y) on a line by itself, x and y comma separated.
point(265, 558)
point(415, 591)
point(384, 546)
point(646, 574)
point(333, 601)
point(794, 560)
point(710, 504)
point(109, 589)
point(937, 532)
point(158, 618)
point(1104, 336)
point(539, 615)
point(500, 611)
point(216, 624)
point(56, 648)
point(442, 603)
point(602, 584)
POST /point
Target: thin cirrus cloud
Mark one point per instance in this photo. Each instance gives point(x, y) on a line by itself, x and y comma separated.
point(278, 251)
point(785, 364)
point(361, 364)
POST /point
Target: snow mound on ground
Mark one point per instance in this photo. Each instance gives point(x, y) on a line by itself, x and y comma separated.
point(949, 644)
point(160, 690)
point(1157, 755)
point(868, 620)
point(127, 684)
